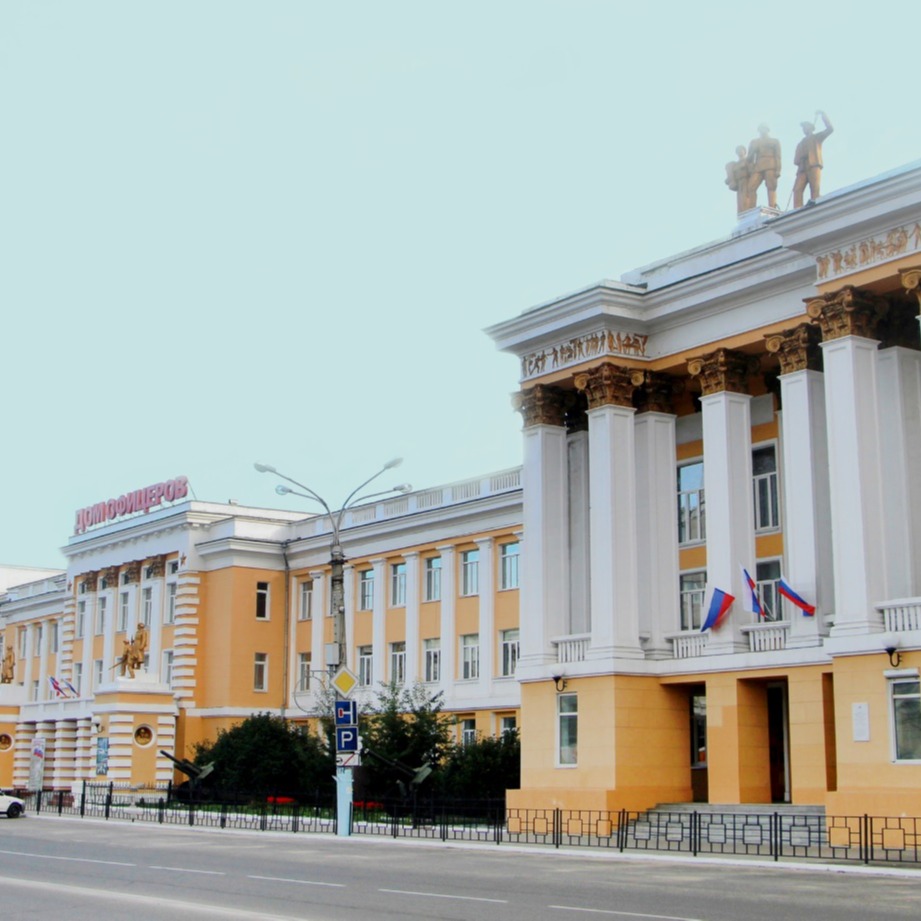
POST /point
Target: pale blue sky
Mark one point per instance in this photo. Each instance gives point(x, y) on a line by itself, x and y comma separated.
point(236, 231)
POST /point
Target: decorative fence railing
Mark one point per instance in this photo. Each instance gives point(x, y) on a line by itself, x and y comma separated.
point(766, 834)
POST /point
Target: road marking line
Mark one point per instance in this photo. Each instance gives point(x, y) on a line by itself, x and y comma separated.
point(189, 870)
point(622, 914)
point(111, 863)
point(303, 882)
point(441, 895)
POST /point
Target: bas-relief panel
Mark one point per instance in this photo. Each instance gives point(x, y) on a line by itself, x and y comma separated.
point(573, 351)
point(899, 241)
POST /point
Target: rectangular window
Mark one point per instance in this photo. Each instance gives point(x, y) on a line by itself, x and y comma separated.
point(173, 567)
point(34, 692)
point(568, 716)
point(261, 671)
point(365, 666)
point(470, 572)
point(767, 578)
point(55, 636)
point(398, 585)
point(78, 678)
point(508, 724)
point(126, 577)
point(691, 505)
point(169, 615)
point(767, 501)
point(433, 660)
point(147, 606)
point(398, 663)
point(508, 566)
point(906, 719)
point(101, 616)
point(123, 611)
point(692, 589)
point(433, 579)
point(303, 671)
point(167, 668)
point(305, 605)
point(97, 673)
point(149, 572)
point(366, 590)
point(39, 640)
point(81, 619)
point(262, 601)
point(509, 652)
point(470, 656)
point(468, 731)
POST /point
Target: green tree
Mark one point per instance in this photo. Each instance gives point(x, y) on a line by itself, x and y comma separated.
point(264, 755)
point(483, 769)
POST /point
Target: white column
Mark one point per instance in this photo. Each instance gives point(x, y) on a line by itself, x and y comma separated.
point(612, 517)
point(730, 515)
point(855, 481)
point(806, 504)
point(580, 568)
point(412, 618)
point(899, 380)
point(545, 549)
point(657, 530)
point(448, 638)
point(378, 622)
point(487, 606)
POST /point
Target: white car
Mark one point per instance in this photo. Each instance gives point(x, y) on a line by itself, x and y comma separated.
point(11, 806)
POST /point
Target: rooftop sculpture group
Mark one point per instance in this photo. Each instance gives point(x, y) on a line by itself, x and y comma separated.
point(761, 164)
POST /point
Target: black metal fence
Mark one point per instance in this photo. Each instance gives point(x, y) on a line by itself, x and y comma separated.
point(773, 835)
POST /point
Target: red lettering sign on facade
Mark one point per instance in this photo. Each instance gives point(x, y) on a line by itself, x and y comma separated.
point(140, 500)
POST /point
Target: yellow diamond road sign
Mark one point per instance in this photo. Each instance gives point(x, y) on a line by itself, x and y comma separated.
point(344, 681)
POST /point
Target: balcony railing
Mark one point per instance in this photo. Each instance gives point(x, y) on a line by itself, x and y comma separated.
point(767, 637)
point(571, 648)
point(901, 614)
point(689, 644)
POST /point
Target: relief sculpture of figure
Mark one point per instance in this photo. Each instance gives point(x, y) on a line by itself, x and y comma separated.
point(8, 666)
point(738, 177)
point(808, 160)
point(764, 161)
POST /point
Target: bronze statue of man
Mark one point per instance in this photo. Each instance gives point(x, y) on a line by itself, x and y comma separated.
point(8, 668)
point(764, 161)
point(808, 160)
point(738, 178)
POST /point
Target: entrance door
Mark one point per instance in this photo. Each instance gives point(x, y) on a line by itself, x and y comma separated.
point(778, 742)
point(699, 779)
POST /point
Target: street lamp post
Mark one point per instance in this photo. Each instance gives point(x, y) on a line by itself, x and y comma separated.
point(337, 593)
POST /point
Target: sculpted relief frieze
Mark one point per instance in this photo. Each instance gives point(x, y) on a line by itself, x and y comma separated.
point(573, 351)
point(880, 248)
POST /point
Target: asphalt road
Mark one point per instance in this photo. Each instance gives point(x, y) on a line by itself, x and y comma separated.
point(81, 869)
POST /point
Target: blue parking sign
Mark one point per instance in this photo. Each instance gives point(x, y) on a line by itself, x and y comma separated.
point(346, 738)
point(346, 713)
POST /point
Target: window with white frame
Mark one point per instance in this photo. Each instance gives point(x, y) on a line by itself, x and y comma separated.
point(166, 669)
point(39, 640)
point(35, 690)
point(262, 601)
point(260, 671)
point(433, 579)
point(568, 729)
point(55, 640)
point(101, 616)
point(470, 656)
point(83, 588)
point(366, 590)
point(432, 647)
point(169, 612)
point(470, 572)
point(764, 484)
point(150, 572)
point(509, 652)
point(397, 585)
point(173, 567)
point(305, 603)
point(147, 606)
point(398, 663)
point(78, 678)
point(303, 671)
point(103, 584)
point(125, 577)
point(468, 731)
point(80, 626)
point(123, 598)
point(767, 579)
point(692, 587)
point(692, 524)
point(97, 672)
point(508, 724)
point(365, 666)
point(508, 565)
point(906, 718)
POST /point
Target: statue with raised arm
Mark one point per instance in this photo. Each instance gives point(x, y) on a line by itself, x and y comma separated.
point(738, 178)
point(8, 667)
point(808, 160)
point(764, 162)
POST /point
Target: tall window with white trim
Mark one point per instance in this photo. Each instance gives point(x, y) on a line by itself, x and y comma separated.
point(147, 606)
point(470, 656)
point(433, 659)
point(303, 671)
point(767, 579)
point(692, 519)
point(123, 600)
point(365, 666)
point(470, 572)
point(906, 718)
point(398, 663)
point(305, 603)
point(691, 591)
point(568, 729)
point(398, 585)
point(260, 671)
point(167, 667)
point(366, 590)
point(764, 485)
point(432, 579)
point(508, 566)
point(80, 626)
point(101, 616)
point(169, 615)
point(509, 652)
point(262, 601)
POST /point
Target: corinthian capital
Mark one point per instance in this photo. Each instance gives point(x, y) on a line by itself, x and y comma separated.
point(723, 370)
point(606, 385)
point(848, 312)
point(654, 391)
point(911, 282)
point(797, 348)
point(540, 405)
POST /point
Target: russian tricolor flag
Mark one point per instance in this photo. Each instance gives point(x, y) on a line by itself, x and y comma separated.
point(720, 604)
point(750, 600)
point(784, 588)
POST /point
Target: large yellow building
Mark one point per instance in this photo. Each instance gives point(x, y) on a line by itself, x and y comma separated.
point(751, 406)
